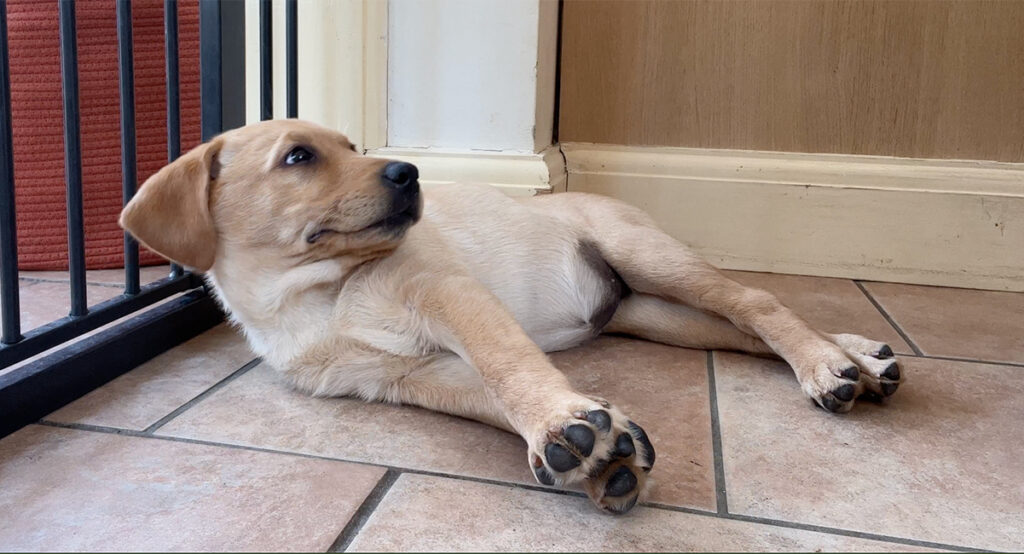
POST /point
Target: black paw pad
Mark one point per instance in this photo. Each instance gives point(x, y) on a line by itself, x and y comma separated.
point(889, 388)
point(621, 483)
point(884, 352)
point(581, 438)
point(623, 446)
point(830, 403)
point(845, 392)
point(619, 510)
point(601, 420)
point(641, 436)
point(559, 458)
point(892, 372)
point(851, 373)
point(544, 476)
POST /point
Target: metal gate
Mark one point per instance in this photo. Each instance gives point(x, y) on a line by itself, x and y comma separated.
point(42, 385)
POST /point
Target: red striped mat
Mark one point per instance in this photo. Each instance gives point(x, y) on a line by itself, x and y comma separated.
point(36, 109)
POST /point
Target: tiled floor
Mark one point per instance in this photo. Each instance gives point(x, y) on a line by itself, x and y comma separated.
point(206, 448)
point(46, 295)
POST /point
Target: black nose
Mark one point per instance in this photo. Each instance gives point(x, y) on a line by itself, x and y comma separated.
point(400, 176)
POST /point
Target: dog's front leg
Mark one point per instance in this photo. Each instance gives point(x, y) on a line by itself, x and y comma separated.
point(571, 437)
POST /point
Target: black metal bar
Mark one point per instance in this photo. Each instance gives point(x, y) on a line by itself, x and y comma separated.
point(266, 61)
point(30, 392)
point(173, 91)
point(211, 91)
point(72, 158)
point(291, 54)
point(129, 173)
point(10, 309)
point(57, 332)
point(173, 80)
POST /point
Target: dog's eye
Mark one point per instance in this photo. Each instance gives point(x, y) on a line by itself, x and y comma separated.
point(298, 155)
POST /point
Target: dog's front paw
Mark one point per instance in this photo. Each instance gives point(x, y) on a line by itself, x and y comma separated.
point(596, 444)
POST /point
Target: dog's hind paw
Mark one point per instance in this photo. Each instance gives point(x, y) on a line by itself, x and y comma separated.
point(858, 368)
point(600, 447)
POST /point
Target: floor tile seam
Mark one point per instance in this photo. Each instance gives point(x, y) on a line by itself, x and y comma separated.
point(721, 495)
point(818, 528)
point(366, 509)
point(399, 471)
point(965, 360)
point(68, 282)
point(410, 470)
point(892, 322)
point(854, 534)
point(202, 395)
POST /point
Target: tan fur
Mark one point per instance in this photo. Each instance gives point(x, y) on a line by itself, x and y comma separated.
point(456, 312)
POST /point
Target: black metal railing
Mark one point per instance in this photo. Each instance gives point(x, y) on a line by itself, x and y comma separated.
point(10, 310)
point(40, 386)
point(16, 347)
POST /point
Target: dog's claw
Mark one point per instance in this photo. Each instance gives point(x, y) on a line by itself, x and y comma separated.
point(544, 476)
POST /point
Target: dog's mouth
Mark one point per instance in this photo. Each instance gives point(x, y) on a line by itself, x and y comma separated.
point(403, 214)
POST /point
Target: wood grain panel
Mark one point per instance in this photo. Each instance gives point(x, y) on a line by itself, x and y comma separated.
point(927, 78)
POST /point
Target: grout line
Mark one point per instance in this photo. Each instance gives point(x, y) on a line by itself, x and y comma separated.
point(199, 397)
point(889, 318)
point(967, 360)
point(172, 438)
point(66, 282)
point(366, 509)
point(818, 529)
point(400, 470)
point(722, 500)
point(93, 428)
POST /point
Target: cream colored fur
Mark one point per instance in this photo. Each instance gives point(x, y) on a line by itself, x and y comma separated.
point(455, 313)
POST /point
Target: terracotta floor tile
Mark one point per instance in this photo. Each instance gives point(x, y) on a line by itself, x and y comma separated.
point(830, 305)
point(979, 324)
point(142, 396)
point(66, 490)
point(480, 517)
point(43, 302)
point(938, 462)
point(663, 388)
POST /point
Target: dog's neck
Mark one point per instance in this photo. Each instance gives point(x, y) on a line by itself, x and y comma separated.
point(281, 308)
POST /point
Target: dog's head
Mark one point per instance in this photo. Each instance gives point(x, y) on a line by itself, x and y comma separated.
point(286, 187)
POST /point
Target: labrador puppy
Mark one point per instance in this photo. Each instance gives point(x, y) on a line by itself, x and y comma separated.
point(351, 280)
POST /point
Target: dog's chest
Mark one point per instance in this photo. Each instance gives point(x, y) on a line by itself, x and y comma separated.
point(375, 319)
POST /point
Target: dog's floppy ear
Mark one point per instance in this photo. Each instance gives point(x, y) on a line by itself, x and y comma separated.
point(171, 212)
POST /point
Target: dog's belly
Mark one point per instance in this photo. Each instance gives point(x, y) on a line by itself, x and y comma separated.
point(553, 280)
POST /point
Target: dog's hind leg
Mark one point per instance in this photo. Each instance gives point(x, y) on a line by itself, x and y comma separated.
point(656, 319)
point(652, 262)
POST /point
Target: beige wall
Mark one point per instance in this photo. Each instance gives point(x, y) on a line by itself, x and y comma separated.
point(917, 78)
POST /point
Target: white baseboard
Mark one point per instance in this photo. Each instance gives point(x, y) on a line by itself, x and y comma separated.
point(935, 222)
point(517, 174)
